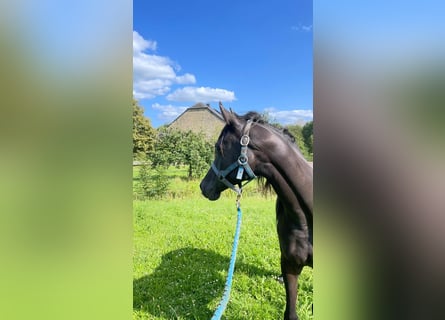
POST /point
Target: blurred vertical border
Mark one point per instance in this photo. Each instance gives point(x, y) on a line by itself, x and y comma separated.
point(65, 141)
point(379, 89)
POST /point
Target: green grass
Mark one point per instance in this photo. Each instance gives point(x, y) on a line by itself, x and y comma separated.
point(182, 248)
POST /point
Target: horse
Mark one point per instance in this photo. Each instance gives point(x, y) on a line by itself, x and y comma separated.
point(249, 147)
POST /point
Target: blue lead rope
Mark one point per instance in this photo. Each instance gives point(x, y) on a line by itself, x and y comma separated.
point(225, 299)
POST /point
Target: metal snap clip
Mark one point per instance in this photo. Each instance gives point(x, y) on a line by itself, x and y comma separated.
point(242, 160)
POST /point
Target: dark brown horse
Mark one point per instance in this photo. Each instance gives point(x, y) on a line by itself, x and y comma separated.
point(248, 147)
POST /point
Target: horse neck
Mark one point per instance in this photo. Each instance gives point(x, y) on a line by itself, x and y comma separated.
point(282, 164)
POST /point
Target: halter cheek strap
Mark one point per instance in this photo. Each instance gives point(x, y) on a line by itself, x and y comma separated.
point(242, 164)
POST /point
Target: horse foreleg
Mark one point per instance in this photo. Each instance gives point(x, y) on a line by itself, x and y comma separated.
point(290, 283)
point(290, 278)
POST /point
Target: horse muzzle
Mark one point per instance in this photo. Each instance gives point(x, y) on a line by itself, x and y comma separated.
point(209, 193)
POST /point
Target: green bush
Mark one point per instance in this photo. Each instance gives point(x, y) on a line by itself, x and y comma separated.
point(153, 182)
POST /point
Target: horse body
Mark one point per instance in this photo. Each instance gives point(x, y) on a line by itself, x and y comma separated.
point(273, 156)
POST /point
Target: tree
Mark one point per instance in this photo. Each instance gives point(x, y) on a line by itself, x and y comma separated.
point(308, 135)
point(197, 153)
point(174, 147)
point(167, 148)
point(296, 131)
point(143, 132)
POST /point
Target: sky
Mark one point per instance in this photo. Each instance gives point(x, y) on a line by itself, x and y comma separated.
point(250, 55)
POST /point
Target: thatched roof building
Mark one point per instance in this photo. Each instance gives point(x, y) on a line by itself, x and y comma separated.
point(200, 118)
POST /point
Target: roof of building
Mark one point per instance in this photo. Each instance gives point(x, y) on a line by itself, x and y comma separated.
point(200, 118)
point(202, 106)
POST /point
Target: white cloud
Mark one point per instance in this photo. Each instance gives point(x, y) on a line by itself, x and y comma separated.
point(302, 28)
point(146, 89)
point(186, 79)
point(153, 75)
point(286, 117)
point(203, 94)
point(169, 112)
point(306, 28)
point(140, 44)
point(152, 66)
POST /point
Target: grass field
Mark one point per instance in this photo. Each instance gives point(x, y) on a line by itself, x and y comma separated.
point(182, 247)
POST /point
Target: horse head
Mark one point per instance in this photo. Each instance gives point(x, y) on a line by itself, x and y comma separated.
point(234, 161)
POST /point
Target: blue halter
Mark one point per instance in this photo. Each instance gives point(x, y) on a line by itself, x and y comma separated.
point(241, 163)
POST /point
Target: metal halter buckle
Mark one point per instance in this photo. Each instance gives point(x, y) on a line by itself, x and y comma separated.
point(244, 140)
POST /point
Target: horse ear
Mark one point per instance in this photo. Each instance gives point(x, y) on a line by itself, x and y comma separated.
point(228, 116)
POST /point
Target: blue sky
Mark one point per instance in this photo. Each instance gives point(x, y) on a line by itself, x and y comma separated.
point(251, 55)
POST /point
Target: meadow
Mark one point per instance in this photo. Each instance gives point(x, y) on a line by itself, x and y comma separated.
point(182, 247)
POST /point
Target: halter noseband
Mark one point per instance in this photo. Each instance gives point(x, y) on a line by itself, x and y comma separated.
point(241, 163)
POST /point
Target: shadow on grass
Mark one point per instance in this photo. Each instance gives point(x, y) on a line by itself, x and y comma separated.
point(185, 282)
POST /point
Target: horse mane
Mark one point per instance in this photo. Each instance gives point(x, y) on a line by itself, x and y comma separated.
point(258, 118)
